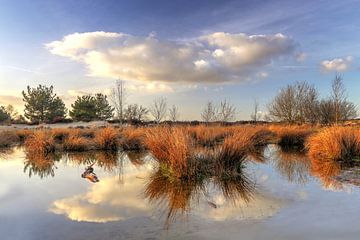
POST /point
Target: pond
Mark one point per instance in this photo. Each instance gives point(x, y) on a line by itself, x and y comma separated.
point(279, 197)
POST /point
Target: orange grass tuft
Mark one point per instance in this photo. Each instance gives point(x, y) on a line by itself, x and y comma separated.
point(40, 143)
point(76, 142)
point(107, 138)
point(171, 146)
point(292, 136)
point(132, 138)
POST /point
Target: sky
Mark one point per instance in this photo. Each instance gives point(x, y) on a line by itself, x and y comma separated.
point(189, 52)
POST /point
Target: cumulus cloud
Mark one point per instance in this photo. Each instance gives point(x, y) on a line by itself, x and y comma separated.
point(214, 58)
point(337, 64)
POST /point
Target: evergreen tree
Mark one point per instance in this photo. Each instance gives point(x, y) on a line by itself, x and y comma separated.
point(42, 104)
point(103, 109)
point(84, 109)
point(90, 108)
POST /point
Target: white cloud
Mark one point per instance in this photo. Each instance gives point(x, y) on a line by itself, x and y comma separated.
point(214, 58)
point(106, 201)
point(337, 64)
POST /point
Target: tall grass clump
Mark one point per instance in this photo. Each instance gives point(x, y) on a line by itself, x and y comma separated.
point(339, 144)
point(74, 141)
point(170, 146)
point(208, 136)
point(39, 143)
point(292, 137)
point(8, 138)
point(106, 138)
point(132, 138)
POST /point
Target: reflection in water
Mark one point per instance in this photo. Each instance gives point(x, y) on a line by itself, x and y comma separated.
point(109, 200)
point(89, 174)
point(42, 165)
point(326, 171)
point(177, 194)
point(293, 164)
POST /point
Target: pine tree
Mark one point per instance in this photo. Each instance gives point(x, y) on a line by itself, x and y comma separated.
point(42, 104)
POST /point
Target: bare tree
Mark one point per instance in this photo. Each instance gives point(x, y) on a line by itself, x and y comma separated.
point(255, 115)
point(158, 109)
point(209, 112)
point(118, 98)
point(341, 106)
point(327, 111)
point(174, 113)
point(12, 112)
point(226, 111)
point(295, 103)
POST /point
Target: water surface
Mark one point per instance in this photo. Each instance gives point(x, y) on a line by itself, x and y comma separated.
point(282, 199)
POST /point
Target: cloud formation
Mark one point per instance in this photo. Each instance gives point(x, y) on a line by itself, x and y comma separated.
point(337, 64)
point(215, 58)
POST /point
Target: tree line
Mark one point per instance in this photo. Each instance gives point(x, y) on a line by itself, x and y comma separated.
point(296, 103)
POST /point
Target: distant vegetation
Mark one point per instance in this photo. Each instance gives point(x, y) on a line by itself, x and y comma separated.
point(298, 103)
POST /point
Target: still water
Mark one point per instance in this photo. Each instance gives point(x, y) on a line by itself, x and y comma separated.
point(280, 199)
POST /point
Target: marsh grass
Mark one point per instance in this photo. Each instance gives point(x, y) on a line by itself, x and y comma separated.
point(40, 143)
point(132, 139)
point(75, 141)
point(8, 138)
point(340, 144)
point(107, 139)
point(292, 136)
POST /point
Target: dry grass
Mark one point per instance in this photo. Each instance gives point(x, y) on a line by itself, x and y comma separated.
point(330, 150)
point(23, 134)
point(60, 134)
point(8, 138)
point(107, 138)
point(76, 142)
point(132, 138)
point(292, 136)
point(340, 144)
point(170, 146)
point(208, 136)
point(40, 143)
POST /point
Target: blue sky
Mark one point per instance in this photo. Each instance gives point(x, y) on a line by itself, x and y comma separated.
point(187, 51)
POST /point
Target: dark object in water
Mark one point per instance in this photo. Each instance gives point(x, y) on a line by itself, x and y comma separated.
point(211, 204)
point(90, 175)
